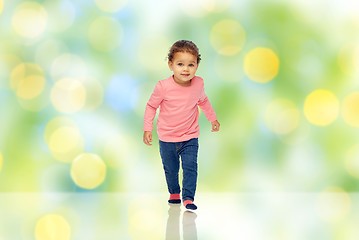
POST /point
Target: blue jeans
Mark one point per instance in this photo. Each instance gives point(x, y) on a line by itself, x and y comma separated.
point(170, 154)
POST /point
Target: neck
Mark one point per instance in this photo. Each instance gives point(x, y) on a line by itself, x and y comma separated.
point(183, 84)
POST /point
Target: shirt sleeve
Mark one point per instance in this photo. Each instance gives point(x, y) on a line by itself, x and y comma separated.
point(151, 107)
point(206, 107)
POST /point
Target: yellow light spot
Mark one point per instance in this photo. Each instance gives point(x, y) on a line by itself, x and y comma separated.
point(352, 161)
point(110, 5)
point(282, 116)
point(8, 62)
point(52, 227)
point(227, 37)
point(105, 34)
point(68, 66)
point(30, 87)
point(333, 204)
point(350, 109)
point(68, 95)
point(261, 65)
point(29, 19)
point(55, 124)
point(28, 80)
point(22, 71)
point(64, 139)
point(1, 5)
point(321, 107)
point(88, 170)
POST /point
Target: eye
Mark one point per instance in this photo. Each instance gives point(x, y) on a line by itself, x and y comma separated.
point(191, 65)
point(180, 64)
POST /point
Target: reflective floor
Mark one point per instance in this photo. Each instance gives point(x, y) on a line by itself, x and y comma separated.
point(92, 216)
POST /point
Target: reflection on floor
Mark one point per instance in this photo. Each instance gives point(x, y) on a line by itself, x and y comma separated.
point(173, 223)
point(101, 216)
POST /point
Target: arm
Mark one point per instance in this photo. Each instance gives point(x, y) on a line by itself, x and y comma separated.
point(150, 113)
point(208, 111)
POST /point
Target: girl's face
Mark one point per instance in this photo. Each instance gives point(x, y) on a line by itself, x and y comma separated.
point(184, 66)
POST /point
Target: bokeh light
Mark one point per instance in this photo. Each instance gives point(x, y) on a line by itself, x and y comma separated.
point(105, 34)
point(88, 170)
point(122, 93)
point(352, 161)
point(350, 109)
point(54, 227)
point(321, 107)
point(261, 64)
point(63, 139)
point(68, 95)
point(8, 63)
point(282, 116)
point(227, 37)
point(28, 80)
point(30, 19)
point(110, 5)
point(1, 5)
point(333, 204)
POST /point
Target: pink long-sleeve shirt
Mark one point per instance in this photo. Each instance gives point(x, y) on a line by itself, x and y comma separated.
point(178, 117)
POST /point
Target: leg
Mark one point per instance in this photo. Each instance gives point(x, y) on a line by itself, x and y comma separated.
point(170, 161)
point(188, 153)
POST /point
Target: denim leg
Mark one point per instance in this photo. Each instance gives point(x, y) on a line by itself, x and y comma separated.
point(188, 153)
point(171, 164)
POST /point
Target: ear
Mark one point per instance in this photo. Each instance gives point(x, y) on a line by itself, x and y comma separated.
point(170, 65)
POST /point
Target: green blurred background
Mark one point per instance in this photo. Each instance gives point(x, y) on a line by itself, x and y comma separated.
point(75, 77)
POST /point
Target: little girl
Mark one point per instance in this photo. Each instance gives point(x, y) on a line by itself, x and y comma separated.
point(177, 126)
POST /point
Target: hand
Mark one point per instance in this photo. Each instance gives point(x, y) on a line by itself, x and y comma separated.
point(215, 126)
point(147, 138)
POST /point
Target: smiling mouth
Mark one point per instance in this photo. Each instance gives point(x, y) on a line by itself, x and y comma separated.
point(185, 75)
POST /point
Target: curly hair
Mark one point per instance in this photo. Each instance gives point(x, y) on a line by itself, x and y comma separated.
point(184, 46)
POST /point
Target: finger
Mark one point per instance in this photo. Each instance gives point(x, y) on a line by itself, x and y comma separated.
point(145, 140)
